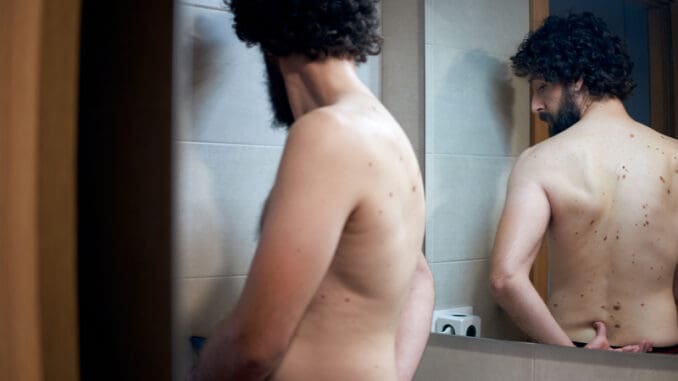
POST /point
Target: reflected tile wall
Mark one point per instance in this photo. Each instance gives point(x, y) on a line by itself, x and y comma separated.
point(465, 198)
point(477, 123)
point(226, 159)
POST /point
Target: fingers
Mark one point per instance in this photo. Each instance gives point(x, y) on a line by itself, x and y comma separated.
point(629, 348)
point(646, 346)
point(601, 329)
point(600, 340)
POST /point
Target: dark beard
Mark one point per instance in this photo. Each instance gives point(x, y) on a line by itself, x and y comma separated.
point(568, 115)
point(277, 93)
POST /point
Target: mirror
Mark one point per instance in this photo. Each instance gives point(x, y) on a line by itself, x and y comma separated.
point(478, 122)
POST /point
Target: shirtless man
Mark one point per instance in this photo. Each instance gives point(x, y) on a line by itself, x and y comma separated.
point(339, 288)
point(605, 190)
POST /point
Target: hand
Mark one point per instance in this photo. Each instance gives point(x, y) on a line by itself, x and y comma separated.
point(600, 342)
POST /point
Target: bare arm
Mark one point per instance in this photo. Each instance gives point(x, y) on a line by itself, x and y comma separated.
point(521, 229)
point(313, 196)
point(415, 322)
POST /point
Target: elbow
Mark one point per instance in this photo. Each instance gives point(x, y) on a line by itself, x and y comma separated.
point(257, 358)
point(502, 285)
point(497, 286)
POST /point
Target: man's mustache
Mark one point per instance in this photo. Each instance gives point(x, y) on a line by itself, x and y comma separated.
point(546, 117)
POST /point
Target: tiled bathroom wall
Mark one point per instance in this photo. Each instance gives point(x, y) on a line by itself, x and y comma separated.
point(226, 158)
point(477, 123)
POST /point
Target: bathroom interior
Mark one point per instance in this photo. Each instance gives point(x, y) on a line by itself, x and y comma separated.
point(144, 213)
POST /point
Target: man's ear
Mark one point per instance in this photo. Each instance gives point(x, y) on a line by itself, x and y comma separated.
point(578, 85)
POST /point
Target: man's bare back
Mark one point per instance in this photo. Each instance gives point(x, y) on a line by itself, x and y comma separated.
point(612, 185)
point(349, 329)
point(602, 191)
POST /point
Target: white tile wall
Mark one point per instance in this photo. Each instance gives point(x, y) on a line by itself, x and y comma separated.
point(215, 4)
point(220, 192)
point(466, 283)
point(491, 26)
point(223, 91)
point(477, 123)
point(474, 104)
point(465, 196)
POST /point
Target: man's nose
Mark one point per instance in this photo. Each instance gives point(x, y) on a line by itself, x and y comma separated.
point(537, 105)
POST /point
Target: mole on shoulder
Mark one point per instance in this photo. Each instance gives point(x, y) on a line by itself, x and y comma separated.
point(390, 194)
point(369, 164)
point(592, 221)
point(617, 326)
point(662, 179)
point(605, 238)
point(631, 135)
point(617, 307)
point(347, 300)
point(414, 188)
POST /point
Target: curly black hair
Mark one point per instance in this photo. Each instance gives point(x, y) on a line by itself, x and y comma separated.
point(565, 49)
point(314, 28)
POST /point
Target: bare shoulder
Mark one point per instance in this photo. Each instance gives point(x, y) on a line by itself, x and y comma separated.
point(326, 133)
point(322, 126)
point(533, 161)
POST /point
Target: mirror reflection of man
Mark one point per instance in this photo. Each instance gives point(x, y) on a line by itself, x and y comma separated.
point(339, 288)
point(605, 190)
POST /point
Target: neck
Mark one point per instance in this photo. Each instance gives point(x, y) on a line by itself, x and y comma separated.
point(604, 107)
point(314, 84)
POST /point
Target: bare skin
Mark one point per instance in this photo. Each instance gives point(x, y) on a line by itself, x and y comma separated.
point(605, 192)
point(339, 288)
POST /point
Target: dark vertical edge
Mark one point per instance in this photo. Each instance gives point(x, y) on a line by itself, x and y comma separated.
point(124, 190)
